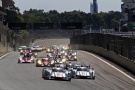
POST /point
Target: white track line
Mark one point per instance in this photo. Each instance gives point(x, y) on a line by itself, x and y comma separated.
point(35, 42)
point(5, 55)
point(111, 65)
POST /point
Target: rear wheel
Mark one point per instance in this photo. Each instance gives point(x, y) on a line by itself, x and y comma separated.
point(42, 74)
point(93, 78)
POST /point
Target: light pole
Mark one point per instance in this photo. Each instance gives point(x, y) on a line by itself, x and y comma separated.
point(106, 28)
point(119, 25)
point(90, 29)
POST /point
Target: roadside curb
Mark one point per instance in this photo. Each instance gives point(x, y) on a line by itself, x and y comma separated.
point(5, 55)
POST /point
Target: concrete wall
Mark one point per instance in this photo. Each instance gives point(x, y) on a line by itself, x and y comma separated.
point(4, 46)
point(122, 61)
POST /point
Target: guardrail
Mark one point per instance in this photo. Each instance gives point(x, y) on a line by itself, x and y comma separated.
point(120, 50)
point(124, 46)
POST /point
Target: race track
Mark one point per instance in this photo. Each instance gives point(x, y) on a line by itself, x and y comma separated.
point(14, 76)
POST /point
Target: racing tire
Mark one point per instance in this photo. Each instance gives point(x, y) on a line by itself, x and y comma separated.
point(32, 61)
point(69, 79)
point(93, 78)
point(77, 77)
point(19, 62)
point(74, 76)
point(37, 65)
point(48, 77)
point(43, 75)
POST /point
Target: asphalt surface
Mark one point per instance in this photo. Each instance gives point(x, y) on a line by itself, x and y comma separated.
point(14, 76)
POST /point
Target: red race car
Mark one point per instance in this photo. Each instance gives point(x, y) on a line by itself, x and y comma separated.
point(26, 58)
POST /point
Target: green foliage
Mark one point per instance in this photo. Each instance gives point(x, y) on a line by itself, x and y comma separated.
point(6, 3)
point(102, 19)
point(24, 34)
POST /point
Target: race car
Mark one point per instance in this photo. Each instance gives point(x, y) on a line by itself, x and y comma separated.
point(26, 58)
point(59, 60)
point(49, 50)
point(56, 73)
point(54, 47)
point(44, 62)
point(36, 48)
point(31, 53)
point(22, 47)
point(84, 72)
point(71, 57)
point(43, 48)
point(23, 51)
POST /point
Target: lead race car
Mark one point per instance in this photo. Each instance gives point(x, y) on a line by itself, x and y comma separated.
point(56, 73)
point(26, 58)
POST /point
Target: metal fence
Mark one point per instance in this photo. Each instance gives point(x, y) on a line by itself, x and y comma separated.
point(123, 46)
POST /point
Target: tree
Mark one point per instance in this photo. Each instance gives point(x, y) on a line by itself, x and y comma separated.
point(7, 3)
point(102, 19)
point(24, 34)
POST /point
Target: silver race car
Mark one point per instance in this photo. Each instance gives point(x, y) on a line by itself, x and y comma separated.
point(84, 72)
point(56, 73)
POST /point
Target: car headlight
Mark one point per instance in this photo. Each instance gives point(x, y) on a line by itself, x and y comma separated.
point(75, 57)
point(63, 60)
point(20, 58)
point(48, 49)
point(35, 53)
point(65, 53)
point(52, 62)
point(21, 51)
point(39, 62)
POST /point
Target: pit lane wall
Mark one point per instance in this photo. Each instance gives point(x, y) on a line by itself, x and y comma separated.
point(107, 53)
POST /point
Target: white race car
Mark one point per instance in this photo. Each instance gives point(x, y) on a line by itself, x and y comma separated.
point(84, 72)
point(56, 73)
point(21, 48)
point(37, 48)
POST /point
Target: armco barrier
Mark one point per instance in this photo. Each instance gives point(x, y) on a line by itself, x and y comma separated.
point(122, 61)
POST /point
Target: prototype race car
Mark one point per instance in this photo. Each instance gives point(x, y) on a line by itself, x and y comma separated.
point(36, 48)
point(26, 58)
point(71, 57)
point(23, 51)
point(84, 72)
point(49, 50)
point(31, 53)
point(44, 62)
point(56, 73)
point(59, 60)
point(22, 47)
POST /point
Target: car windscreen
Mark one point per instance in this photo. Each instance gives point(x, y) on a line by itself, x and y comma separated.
point(36, 47)
point(82, 69)
point(22, 46)
point(57, 70)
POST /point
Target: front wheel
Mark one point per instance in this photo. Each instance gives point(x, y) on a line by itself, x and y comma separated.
point(69, 79)
point(19, 61)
